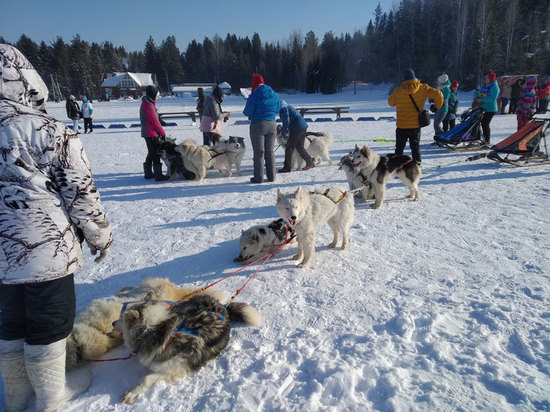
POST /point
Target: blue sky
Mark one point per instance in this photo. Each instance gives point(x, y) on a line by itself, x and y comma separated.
point(129, 23)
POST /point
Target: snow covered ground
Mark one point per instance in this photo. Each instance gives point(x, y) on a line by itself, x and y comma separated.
point(437, 305)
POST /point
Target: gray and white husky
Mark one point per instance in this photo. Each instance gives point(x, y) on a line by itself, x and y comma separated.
point(234, 149)
point(356, 178)
point(175, 339)
point(380, 169)
point(260, 240)
point(304, 211)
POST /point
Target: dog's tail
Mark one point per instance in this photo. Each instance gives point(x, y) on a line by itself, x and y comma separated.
point(327, 137)
point(244, 313)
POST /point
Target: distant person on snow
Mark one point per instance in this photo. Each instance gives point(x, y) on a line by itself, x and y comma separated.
point(87, 113)
point(487, 96)
point(49, 206)
point(212, 116)
point(295, 128)
point(153, 133)
point(73, 112)
point(527, 105)
point(408, 126)
point(450, 120)
point(443, 84)
point(200, 101)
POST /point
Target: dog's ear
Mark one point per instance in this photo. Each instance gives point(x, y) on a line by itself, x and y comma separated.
point(253, 236)
point(356, 146)
point(299, 192)
point(280, 194)
point(150, 296)
point(131, 315)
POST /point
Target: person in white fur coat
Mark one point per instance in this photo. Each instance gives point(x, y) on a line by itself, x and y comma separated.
point(48, 207)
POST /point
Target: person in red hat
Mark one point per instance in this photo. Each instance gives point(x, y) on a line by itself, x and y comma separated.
point(450, 119)
point(262, 106)
point(487, 96)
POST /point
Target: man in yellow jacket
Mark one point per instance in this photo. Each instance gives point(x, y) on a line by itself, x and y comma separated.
point(408, 127)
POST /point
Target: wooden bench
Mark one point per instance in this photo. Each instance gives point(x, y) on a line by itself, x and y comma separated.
point(193, 115)
point(326, 109)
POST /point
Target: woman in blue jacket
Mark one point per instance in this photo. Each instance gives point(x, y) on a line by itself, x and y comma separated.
point(262, 106)
point(295, 127)
point(487, 96)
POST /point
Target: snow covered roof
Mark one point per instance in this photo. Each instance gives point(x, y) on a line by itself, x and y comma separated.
point(141, 79)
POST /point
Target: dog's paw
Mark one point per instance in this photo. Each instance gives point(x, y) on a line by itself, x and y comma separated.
point(297, 257)
point(129, 398)
point(376, 206)
point(332, 245)
point(303, 265)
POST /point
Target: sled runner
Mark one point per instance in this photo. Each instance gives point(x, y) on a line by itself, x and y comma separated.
point(524, 147)
point(466, 135)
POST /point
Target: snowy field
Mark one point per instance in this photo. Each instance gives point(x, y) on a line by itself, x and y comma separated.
point(440, 305)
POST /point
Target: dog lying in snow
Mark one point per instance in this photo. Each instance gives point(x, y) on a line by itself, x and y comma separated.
point(317, 145)
point(92, 335)
point(380, 169)
point(175, 339)
point(260, 240)
point(305, 211)
point(356, 178)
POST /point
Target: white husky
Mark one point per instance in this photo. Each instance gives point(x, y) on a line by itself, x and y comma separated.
point(316, 144)
point(304, 211)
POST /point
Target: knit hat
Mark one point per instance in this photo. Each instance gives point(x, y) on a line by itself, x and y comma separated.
point(443, 79)
point(151, 92)
point(71, 97)
point(257, 80)
point(454, 84)
point(491, 77)
point(408, 74)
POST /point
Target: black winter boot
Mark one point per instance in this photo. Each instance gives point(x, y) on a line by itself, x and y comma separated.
point(157, 169)
point(148, 170)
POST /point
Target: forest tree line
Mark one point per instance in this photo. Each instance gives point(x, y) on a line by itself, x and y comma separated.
point(463, 38)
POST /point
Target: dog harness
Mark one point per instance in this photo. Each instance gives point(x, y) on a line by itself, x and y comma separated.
point(325, 193)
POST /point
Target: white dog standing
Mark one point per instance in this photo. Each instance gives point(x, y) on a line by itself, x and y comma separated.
point(305, 211)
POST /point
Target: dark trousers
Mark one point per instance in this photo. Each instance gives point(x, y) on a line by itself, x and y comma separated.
point(448, 124)
point(296, 140)
point(153, 150)
point(41, 313)
point(88, 125)
point(513, 105)
point(413, 136)
point(485, 121)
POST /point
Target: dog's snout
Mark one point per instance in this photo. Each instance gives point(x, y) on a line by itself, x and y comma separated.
point(293, 217)
point(114, 323)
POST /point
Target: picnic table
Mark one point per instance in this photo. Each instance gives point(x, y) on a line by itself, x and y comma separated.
point(192, 114)
point(325, 109)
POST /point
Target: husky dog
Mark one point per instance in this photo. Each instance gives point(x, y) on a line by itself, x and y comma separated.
point(195, 158)
point(260, 240)
point(92, 335)
point(316, 144)
point(304, 211)
point(175, 339)
point(224, 154)
point(379, 169)
point(356, 178)
point(174, 161)
point(236, 157)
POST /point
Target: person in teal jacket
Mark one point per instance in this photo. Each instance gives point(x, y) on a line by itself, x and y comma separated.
point(450, 120)
point(262, 106)
point(487, 96)
point(443, 84)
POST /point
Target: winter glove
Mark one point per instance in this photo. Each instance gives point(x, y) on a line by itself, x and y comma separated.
point(433, 109)
point(102, 253)
point(162, 122)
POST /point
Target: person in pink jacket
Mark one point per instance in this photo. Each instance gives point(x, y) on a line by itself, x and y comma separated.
point(153, 133)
